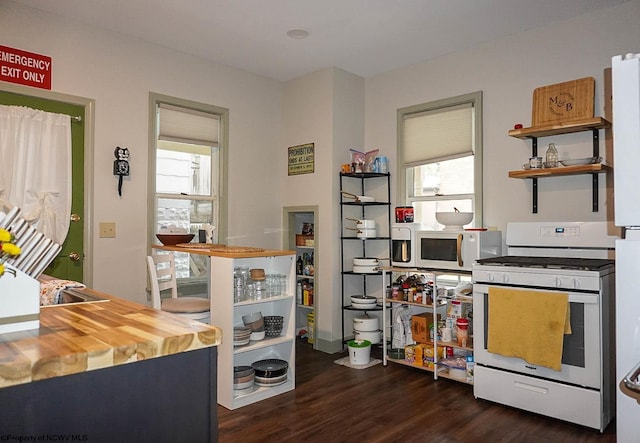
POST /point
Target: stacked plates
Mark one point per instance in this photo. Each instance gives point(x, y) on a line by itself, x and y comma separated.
point(270, 372)
point(363, 302)
point(241, 335)
point(243, 379)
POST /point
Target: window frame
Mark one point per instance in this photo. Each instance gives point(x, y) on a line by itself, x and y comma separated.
point(222, 201)
point(403, 192)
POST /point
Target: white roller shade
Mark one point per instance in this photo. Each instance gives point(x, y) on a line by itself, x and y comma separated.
point(440, 134)
point(188, 126)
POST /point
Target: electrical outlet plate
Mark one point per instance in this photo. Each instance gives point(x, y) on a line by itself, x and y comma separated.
point(107, 230)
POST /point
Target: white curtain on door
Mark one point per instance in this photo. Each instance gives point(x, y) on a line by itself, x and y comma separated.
point(35, 167)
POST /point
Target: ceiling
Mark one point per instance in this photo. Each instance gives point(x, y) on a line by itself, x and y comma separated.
point(364, 37)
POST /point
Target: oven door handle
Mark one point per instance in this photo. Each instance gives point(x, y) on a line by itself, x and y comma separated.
point(631, 379)
point(459, 250)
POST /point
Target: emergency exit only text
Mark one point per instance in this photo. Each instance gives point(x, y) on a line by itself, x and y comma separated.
point(25, 68)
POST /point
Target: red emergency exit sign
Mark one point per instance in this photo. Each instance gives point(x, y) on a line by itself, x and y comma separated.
point(25, 68)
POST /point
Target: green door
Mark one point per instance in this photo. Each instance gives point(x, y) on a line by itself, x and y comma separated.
point(68, 264)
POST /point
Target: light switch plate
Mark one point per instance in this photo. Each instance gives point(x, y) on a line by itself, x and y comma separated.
point(107, 230)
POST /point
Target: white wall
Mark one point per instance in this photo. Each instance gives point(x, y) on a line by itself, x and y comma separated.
point(507, 71)
point(325, 108)
point(119, 72)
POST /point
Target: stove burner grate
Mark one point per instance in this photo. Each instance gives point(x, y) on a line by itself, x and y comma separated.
point(588, 264)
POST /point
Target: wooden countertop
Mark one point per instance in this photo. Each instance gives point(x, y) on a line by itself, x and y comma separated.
point(82, 337)
point(226, 251)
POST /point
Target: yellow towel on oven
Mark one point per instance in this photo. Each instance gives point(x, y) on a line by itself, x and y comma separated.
point(528, 324)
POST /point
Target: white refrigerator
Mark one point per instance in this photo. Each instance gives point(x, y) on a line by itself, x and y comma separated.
point(626, 151)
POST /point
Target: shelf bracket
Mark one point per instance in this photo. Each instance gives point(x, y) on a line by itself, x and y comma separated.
point(534, 195)
point(534, 181)
point(594, 190)
point(594, 181)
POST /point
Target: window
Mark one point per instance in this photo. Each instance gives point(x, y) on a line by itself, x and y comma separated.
point(440, 158)
point(186, 159)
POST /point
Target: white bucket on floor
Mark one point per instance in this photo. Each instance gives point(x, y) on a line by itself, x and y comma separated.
point(359, 352)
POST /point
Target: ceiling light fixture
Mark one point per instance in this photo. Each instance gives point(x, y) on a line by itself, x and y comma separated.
point(297, 33)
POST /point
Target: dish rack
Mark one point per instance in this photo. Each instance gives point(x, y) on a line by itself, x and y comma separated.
point(37, 250)
point(20, 291)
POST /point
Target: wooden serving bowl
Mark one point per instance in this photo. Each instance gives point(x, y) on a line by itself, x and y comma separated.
point(174, 239)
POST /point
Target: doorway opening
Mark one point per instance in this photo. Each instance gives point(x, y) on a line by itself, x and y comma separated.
point(300, 235)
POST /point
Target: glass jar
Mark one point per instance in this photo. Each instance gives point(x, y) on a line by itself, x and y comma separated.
point(240, 280)
point(551, 157)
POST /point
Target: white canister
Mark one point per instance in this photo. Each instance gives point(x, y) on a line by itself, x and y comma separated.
point(365, 224)
point(372, 336)
point(366, 233)
point(365, 261)
point(446, 334)
point(364, 323)
point(359, 352)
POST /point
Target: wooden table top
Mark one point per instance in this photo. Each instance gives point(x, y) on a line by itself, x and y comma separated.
point(225, 251)
point(81, 337)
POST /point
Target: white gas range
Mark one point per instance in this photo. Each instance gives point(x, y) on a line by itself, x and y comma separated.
point(569, 260)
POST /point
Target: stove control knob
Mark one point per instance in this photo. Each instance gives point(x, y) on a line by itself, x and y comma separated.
point(558, 282)
point(505, 278)
point(576, 283)
point(491, 277)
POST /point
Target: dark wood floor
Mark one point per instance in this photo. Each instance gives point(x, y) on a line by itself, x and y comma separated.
point(333, 403)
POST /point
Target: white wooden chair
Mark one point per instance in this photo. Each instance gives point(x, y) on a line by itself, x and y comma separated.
point(163, 278)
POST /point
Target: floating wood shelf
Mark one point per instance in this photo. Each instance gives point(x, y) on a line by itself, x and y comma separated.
point(560, 170)
point(593, 124)
point(560, 128)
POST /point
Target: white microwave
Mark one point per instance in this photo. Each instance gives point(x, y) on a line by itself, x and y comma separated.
point(455, 250)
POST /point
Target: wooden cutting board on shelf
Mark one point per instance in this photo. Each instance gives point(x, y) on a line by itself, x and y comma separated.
point(563, 102)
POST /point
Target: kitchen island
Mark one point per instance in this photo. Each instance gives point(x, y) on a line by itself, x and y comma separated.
point(109, 370)
point(227, 313)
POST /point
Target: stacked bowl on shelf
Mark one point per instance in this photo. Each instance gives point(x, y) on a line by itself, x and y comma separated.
point(270, 372)
point(255, 323)
point(241, 335)
point(273, 325)
point(243, 379)
point(363, 302)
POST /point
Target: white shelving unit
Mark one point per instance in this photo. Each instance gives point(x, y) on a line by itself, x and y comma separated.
point(226, 314)
point(437, 306)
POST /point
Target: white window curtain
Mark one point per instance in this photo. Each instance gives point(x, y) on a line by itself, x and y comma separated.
point(35, 167)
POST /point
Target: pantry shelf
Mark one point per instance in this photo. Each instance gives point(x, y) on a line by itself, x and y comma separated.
point(411, 365)
point(359, 242)
point(432, 352)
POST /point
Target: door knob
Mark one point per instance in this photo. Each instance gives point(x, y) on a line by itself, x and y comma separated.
point(74, 256)
point(75, 218)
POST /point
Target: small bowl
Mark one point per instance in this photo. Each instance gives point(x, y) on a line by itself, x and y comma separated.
point(273, 320)
point(274, 332)
point(174, 239)
point(250, 318)
point(256, 326)
point(454, 218)
point(270, 368)
point(368, 299)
